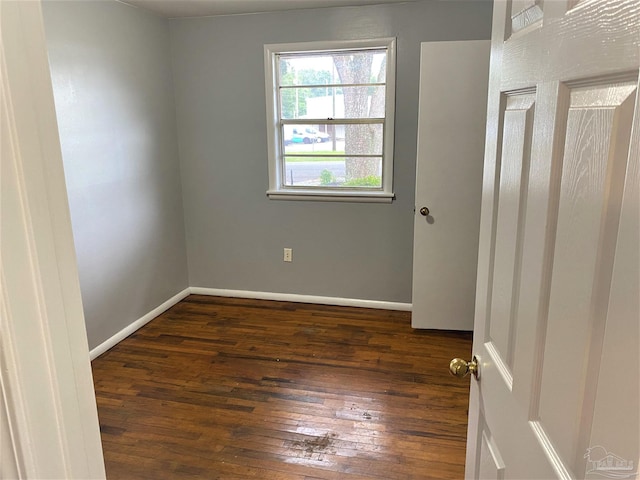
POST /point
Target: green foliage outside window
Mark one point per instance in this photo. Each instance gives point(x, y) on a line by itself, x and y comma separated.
point(307, 77)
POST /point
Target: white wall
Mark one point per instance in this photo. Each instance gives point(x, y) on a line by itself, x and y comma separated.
point(113, 90)
point(235, 235)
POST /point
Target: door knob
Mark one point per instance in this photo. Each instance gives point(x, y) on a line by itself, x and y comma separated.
point(461, 368)
point(424, 211)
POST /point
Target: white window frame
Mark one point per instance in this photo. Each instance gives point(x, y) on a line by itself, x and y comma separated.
point(277, 188)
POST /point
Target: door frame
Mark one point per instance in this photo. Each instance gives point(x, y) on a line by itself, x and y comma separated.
point(45, 372)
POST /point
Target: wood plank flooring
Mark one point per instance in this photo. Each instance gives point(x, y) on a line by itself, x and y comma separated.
point(222, 388)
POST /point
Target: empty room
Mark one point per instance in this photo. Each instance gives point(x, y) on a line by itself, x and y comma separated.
point(320, 239)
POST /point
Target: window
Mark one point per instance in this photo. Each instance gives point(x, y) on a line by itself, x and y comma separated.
point(330, 109)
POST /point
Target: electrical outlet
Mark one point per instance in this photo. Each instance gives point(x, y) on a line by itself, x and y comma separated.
point(288, 255)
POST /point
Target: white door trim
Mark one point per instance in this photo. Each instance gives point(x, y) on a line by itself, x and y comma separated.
point(44, 361)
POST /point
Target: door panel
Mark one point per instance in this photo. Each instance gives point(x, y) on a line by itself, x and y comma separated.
point(525, 13)
point(615, 407)
point(558, 279)
point(514, 174)
point(595, 154)
point(491, 464)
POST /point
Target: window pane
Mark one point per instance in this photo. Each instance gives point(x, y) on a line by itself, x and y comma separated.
point(312, 139)
point(349, 67)
point(367, 66)
point(340, 172)
point(332, 102)
point(307, 70)
point(363, 139)
point(333, 139)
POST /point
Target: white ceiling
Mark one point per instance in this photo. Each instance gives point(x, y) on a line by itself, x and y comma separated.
point(201, 8)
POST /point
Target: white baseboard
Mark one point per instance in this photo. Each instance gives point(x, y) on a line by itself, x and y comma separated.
point(292, 297)
point(218, 292)
point(129, 329)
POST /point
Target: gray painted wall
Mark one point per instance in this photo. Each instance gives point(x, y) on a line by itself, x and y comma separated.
point(113, 89)
point(235, 235)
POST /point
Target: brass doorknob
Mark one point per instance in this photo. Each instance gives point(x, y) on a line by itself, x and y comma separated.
point(461, 368)
point(424, 211)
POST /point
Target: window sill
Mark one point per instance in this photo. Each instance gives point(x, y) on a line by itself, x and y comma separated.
point(331, 196)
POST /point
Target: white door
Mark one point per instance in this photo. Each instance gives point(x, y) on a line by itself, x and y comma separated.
point(451, 134)
point(557, 308)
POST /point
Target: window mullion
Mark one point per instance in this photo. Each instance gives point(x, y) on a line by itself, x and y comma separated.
point(333, 121)
point(337, 155)
point(331, 85)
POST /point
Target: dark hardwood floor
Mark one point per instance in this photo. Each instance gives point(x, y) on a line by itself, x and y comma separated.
point(222, 388)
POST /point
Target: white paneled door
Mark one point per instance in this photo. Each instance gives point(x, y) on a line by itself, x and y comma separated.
point(557, 309)
point(451, 133)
